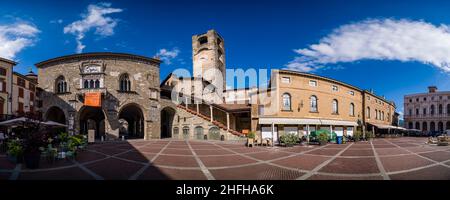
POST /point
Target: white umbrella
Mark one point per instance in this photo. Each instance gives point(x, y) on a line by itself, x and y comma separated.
point(17, 121)
point(54, 124)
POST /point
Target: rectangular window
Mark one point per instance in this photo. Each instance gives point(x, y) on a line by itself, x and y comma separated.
point(20, 82)
point(286, 80)
point(21, 92)
point(31, 87)
point(31, 96)
point(2, 71)
point(20, 110)
point(313, 83)
point(335, 88)
point(261, 110)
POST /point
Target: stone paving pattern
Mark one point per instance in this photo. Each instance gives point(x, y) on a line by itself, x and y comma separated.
point(399, 158)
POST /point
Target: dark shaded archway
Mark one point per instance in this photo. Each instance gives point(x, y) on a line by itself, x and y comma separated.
point(56, 114)
point(92, 118)
point(167, 116)
point(134, 117)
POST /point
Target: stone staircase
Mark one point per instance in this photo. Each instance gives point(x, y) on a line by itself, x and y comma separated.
point(215, 122)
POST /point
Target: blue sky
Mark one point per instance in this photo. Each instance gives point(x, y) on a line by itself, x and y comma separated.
point(258, 34)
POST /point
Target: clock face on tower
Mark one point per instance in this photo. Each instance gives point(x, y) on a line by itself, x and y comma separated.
point(92, 69)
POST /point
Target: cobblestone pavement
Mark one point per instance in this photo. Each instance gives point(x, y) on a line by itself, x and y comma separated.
point(399, 158)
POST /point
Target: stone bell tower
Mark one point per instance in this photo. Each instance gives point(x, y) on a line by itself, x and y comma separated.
point(208, 55)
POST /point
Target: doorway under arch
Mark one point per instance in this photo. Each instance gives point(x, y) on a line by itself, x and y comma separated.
point(214, 133)
point(56, 114)
point(92, 118)
point(133, 116)
point(167, 116)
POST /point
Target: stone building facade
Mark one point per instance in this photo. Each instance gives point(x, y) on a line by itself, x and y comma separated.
point(299, 103)
point(428, 112)
point(125, 87)
point(6, 73)
point(17, 91)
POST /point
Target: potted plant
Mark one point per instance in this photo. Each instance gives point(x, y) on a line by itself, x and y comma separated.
point(251, 138)
point(15, 151)
point(289, 139)
point(323, 138)
point(33, 139)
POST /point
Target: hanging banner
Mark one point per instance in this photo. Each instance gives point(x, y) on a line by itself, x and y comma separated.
point(93, 99)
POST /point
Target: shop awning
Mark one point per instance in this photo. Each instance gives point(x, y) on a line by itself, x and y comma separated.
point(383, 126)
point(302, 121)
point(338, 123)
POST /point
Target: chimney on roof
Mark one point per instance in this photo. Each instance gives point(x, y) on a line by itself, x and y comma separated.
point(432, 89)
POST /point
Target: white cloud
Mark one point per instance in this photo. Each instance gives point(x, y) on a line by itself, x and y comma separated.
point(379, 39)
point(168, 55)
point(95, 18)
point(16, 37)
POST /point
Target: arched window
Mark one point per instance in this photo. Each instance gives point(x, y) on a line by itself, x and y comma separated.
point(440, 109)
point(313, 104)
point(176, 131)
point(203, 40)
point(382, 115)
point(448, 109)
point(424, 111)
point(424, 126)
point(97, 83)
point(376, 114)
point(286, 101)
point(432, 110)
point(124, 83)
point(410, 125)
point(199, 132)
point(368, 112)
point(352, 109)
point(447, 126)
point(60, 85)
point(91, 84)
point(417, 125)
point(432, 126)
point(440, 127)
point(86, 84)
point(186, 132)
point(335, 106)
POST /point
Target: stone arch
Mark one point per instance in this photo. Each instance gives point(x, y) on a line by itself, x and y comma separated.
point(134, 116)
point(441, 127)
point(186, 132)
point(432, 126)
point(199, 132)
point(167, 117)
point(214, 133)
point(92, 118)
point(56, 114)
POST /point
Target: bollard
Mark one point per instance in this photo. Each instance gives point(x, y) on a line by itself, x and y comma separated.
point(102, 139)
point(123, 138)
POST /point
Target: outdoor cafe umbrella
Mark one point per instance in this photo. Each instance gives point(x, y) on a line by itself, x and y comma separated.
point(53, 124)
point(17, 122)
point(22, 120)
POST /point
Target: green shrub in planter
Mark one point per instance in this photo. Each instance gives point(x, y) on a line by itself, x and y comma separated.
point(289, 139)
point(15, 151)
point(322, 138)
point(251, 135)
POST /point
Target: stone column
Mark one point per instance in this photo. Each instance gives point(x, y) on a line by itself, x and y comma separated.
point(211, 113)
point(228, 121)
point(198, 109)
point(273, 132)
